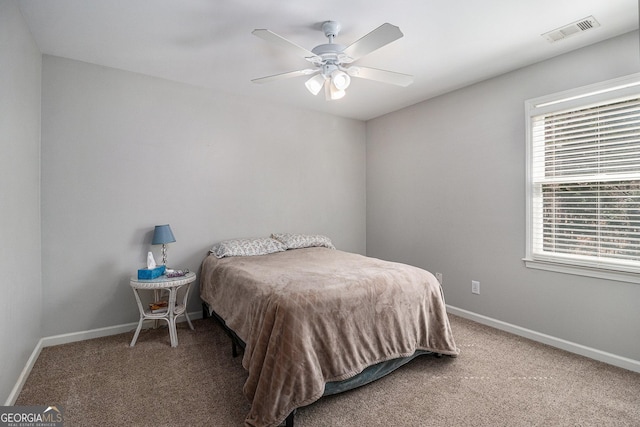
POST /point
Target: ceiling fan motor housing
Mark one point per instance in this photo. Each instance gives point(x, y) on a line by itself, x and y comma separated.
point(330, 52)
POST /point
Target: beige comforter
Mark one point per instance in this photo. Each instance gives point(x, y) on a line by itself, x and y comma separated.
point(314, 315)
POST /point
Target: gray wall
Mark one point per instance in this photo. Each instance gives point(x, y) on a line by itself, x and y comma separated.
point(446, 191)
point(20, 282)
point(122, 152)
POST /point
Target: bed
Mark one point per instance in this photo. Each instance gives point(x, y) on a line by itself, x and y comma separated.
point(314, 320)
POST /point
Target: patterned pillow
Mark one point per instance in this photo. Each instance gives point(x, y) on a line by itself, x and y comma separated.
point(298, 241)
point(247, 247)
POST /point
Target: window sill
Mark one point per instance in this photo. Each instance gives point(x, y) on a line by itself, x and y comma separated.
point(598, 273)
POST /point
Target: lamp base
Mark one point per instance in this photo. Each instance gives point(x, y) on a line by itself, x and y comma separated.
point(164, 254)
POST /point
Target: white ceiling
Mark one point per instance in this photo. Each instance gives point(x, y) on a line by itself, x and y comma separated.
point(208, 43)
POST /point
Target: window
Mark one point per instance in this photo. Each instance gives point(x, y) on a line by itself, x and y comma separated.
point(583, 181)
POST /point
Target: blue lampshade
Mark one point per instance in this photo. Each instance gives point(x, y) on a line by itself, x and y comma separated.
point(162, 234)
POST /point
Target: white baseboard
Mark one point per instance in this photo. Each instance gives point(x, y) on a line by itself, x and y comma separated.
point(17, 388)
point(74, 337)
point(592, 353)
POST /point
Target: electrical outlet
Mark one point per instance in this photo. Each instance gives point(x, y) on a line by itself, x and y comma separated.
point(475, 287)
point(439, 277)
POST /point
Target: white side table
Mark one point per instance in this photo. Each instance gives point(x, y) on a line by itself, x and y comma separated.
point(174, 310)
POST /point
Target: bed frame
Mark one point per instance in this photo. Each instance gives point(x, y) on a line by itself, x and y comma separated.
point(368, 375)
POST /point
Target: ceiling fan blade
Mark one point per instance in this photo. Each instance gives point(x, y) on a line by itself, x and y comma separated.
point(381, 36)
point(274, 38)
point(384, 76)
point(287, 75)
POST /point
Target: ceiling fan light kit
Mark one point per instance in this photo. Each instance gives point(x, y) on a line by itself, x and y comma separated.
point(315, 83)
point(340, 79)
point(331, 59)
point(332, 92)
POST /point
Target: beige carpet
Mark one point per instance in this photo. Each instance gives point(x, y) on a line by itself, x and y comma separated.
point(498, 380)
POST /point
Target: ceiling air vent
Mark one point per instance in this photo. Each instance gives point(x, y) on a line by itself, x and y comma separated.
point(571, 29)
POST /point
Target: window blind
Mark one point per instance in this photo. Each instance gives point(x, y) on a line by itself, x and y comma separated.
point(585, 185)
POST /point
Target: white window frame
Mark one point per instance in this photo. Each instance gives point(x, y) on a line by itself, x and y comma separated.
point(575, 98)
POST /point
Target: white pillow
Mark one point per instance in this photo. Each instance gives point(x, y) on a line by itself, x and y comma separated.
point(298, 241)
point(247, 247)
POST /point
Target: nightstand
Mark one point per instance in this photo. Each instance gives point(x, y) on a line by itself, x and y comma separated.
point(174, 310)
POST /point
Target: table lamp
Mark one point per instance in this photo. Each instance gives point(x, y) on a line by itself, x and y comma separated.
point(161, 236)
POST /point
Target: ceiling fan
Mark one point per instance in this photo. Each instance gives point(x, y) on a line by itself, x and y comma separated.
point(332, 69)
